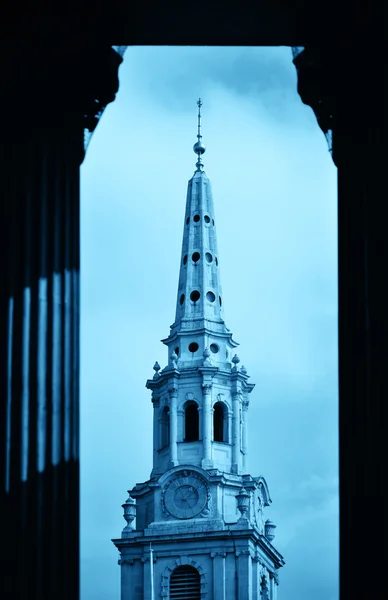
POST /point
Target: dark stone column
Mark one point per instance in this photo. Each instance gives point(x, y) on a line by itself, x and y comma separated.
point(49, 93)
point(359, 152)
point(345, 86)
point(40, 345)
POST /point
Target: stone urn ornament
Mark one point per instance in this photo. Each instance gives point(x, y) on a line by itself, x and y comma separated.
point(129, 508)
point(270, 530)
point(243, 499)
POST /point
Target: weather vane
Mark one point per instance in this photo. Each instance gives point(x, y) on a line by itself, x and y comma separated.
point(199, 147)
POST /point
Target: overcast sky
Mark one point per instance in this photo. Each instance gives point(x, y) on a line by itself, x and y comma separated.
point(274, 189)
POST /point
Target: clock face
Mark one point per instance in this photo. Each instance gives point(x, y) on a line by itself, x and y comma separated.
point(186, 495)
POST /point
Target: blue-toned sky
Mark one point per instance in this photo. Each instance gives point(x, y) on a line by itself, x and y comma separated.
point(274, 188)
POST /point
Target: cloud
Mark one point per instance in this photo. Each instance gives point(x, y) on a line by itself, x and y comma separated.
point(265, 75)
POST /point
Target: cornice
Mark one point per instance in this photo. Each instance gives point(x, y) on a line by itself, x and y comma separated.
point(208, 370)
point(200, 331)
point(221, 536)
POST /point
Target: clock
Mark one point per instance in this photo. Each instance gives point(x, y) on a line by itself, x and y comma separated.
point(185, 496)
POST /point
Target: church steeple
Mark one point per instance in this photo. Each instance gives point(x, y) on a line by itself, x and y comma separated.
point(200, 507)
point(199, 307)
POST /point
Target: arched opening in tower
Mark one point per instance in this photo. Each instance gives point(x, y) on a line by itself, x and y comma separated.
point(191, 422)
point(220, 424)
point(165, 428)
point(185, 582)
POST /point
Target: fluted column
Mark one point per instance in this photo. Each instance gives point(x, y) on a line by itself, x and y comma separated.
point(173, 393)
point(48, 88)
point(40, 304)
point(236, 452)
point(207, 424)
point(244, 441)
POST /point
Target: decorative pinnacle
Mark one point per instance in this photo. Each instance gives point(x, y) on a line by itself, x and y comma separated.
point(199, 147)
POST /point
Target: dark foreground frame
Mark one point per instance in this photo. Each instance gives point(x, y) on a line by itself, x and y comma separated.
point(54, 85)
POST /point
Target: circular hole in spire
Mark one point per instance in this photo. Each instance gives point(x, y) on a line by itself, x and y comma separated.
point(193, 347)
point(219, 297)
point(208, 257)
point(187, 220)
point(216, 261)
point(195, 256)
point(207, 219)
point(182, 299)
point(210, 296)
point(185, 259)
point(214, 348)
point(195, 295)
point(196, 218)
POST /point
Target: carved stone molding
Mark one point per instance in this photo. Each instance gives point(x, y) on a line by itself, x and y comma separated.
point(207, 388)
point(275, 575)
point(243, 553)
point(245, 404)
point(238, 396)
point(173, 391)
point(220, 554)
point(155, 400)
point(126, 561)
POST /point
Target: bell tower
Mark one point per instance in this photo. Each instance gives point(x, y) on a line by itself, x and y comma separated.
point(196, 529)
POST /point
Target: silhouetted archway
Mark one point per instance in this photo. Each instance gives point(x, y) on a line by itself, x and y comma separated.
point(220, 422)
point(191, 422)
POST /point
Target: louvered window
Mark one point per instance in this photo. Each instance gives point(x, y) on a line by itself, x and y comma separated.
point(185, 584)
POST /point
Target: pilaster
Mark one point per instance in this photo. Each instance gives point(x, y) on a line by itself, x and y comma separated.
point(244, 566)
point(236, 441)
point(206, 416)
point(156, 429)
point(274, 582)
point(244, 441)
point(219, 575)
point(173, 393)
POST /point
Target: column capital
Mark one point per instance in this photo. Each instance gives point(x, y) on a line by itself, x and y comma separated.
point(218, 554)
point(238, 395)
point(126, 561)
point(207, 388)
point(245, 404)
point(275, 576)
point(173, 391)
point(155, 399)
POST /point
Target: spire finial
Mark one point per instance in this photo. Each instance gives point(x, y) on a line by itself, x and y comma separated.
point(199, 147)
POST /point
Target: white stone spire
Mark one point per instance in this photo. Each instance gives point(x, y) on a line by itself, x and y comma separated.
point(199, 308)
point(200, 491)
